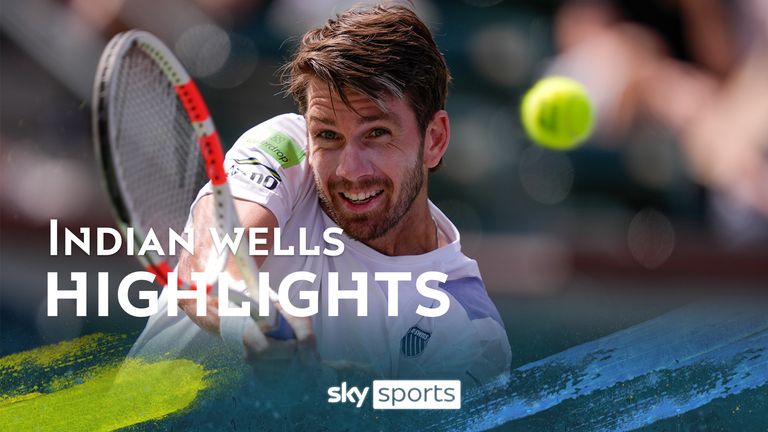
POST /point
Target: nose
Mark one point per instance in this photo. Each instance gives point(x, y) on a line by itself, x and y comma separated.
point(354, 162)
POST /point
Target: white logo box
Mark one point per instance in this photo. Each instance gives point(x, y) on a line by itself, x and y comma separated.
point(416, 394)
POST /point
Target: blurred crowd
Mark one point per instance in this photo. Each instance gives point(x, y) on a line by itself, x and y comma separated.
point(697, 67)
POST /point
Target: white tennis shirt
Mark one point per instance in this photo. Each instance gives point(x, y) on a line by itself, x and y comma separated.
point(267, 165)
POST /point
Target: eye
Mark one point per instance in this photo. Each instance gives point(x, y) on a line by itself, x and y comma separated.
point(327, 135)
point(378, 132)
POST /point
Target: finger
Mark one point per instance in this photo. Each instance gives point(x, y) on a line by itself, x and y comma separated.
point(306, 342)
point(302, 326)
point(254, 340)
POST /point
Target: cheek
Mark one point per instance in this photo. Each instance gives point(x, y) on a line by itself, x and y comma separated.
point(396, 172)
point(321, 166)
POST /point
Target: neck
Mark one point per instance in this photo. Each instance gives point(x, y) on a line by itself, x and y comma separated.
point(415, 234)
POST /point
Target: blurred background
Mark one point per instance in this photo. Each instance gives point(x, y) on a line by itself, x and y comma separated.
point(667, 201)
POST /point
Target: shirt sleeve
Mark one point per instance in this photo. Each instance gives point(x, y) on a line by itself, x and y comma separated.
point(267, 165)
point(490, 354)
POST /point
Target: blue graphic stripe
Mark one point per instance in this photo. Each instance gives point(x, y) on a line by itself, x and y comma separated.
point(664, 393)
point(728, 371)
point(721, 339)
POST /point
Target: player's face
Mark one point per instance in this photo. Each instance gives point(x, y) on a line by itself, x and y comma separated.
point(368, 165)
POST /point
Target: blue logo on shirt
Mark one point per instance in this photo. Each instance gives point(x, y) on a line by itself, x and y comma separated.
point(414, 342)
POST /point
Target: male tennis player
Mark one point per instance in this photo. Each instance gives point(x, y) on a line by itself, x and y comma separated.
point(371, 88)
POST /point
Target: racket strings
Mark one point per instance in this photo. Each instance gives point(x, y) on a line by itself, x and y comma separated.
point(157, 160)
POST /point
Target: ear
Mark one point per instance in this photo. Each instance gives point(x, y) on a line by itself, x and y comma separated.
point(436, 139)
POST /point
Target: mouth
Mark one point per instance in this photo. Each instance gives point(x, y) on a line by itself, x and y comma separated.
point(361, 198)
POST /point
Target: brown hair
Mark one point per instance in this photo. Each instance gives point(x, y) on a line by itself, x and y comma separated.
point(378, 51)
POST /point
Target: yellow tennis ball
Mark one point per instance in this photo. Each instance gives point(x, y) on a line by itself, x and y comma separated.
point(557, 113)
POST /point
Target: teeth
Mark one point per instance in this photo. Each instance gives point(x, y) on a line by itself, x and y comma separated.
point(362, 196)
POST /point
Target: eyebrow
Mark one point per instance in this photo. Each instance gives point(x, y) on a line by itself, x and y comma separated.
point(384, 116)
point(361, 120)
point(323, 120)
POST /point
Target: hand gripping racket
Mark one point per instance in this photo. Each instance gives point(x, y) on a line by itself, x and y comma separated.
point(157, 146)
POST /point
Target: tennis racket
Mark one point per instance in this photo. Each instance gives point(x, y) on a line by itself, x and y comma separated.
point(157, 146)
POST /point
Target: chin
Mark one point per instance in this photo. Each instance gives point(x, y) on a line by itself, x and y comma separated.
point(360, 231)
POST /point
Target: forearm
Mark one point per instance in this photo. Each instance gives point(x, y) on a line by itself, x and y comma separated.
point(205, 258)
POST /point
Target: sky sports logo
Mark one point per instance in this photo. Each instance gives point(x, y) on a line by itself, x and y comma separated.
point(401, 394)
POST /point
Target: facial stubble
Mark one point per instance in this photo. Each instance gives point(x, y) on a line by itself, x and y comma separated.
point(371, 226)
